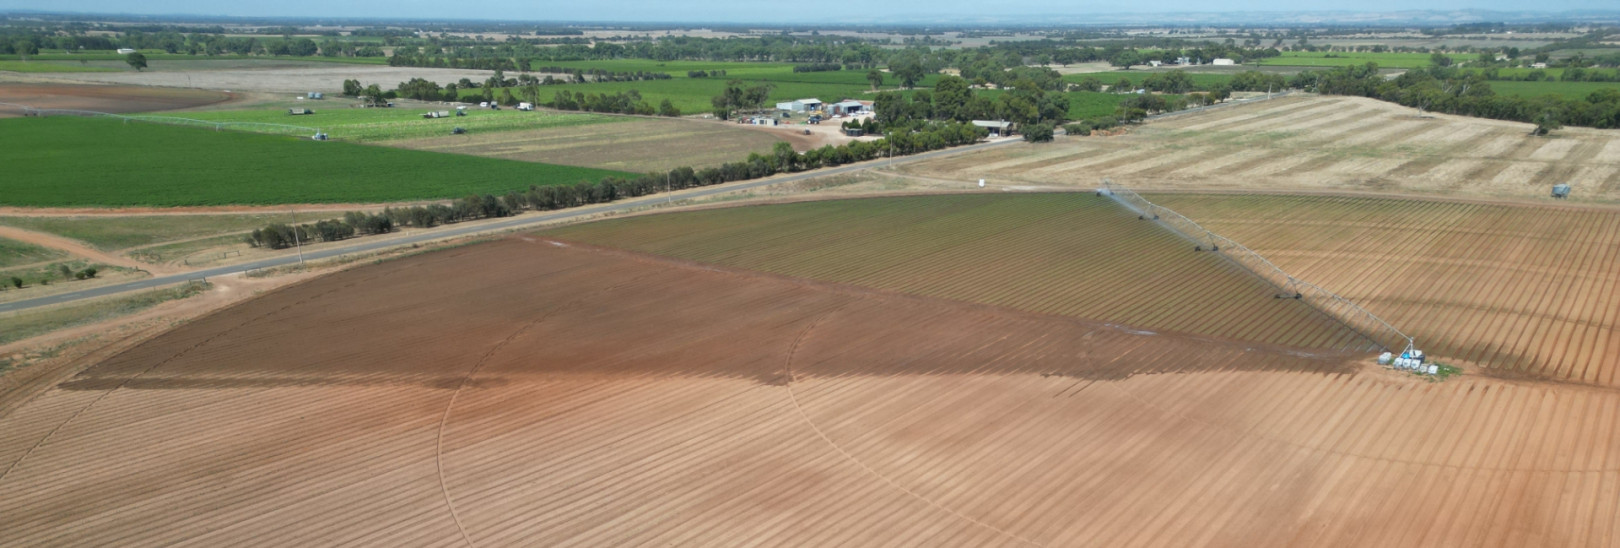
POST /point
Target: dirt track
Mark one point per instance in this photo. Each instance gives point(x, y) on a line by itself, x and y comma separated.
point(562, 395)
point(77, 248)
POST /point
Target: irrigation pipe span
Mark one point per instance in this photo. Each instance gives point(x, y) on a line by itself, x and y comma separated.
point(1330, 303)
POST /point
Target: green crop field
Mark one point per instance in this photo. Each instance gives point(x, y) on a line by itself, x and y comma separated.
point(38, 66)
point(1567, 90)
point(1341, 59)
point(1202, 80)
point(344, 122)
point(1092, 104)
point(67, 162)
point(1066, 254)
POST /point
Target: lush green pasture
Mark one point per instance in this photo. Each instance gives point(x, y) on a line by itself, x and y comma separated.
point(675, 68)
point(1567, 90)
point(64, 162)
point(38, 66)
point(13, 252)
point(342, 121)
point(1341, 59)
point(1200, 79)
point(1092, 104)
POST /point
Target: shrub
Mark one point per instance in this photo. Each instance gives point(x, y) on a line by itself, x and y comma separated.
point(89, 272)
point(16, 282)
point(1080, 128)
point(1038, 133)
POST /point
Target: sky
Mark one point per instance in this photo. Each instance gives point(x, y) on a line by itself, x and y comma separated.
point(768, 11)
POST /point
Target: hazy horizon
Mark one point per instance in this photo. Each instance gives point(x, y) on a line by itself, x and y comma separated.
point(782, 12)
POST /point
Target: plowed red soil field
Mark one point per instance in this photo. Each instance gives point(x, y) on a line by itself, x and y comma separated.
point(538, 392)
point(104, 98)
point(1519, 290)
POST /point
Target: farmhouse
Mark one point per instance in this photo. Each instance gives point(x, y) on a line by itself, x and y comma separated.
point(1222, 61)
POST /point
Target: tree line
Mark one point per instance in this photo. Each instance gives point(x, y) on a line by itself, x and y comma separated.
point(1451, 91)
point(624, 102)
point(925, 136)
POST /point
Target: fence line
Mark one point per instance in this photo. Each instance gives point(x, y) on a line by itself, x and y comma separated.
point(254, 127)
point(1339, 308)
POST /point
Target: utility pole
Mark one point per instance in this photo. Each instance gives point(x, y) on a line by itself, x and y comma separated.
point(296, 240)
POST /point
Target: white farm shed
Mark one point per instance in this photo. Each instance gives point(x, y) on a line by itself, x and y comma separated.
point(1222, 61)
point(848, 107)
point(801, 105)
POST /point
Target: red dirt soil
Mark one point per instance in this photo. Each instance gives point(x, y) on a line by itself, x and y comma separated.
point(535, 392)
point(1521, 290)
point(115, 99)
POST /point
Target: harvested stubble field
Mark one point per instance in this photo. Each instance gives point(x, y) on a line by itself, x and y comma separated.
point(1068, 254)
point(1313, 142)
point(564, 394)
point(1520, 290)
point(636, 145)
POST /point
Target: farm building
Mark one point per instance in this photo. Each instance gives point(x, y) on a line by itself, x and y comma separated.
point(1222, 61)
point(126, 51)
point(801, 105)
point(299, 111)
point(849, 107)
point(997, 127)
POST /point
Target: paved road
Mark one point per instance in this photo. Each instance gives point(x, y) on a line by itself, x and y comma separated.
point(374, 244)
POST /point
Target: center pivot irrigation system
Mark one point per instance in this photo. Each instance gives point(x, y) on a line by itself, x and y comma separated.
point(255, 127)
point(1339, 308)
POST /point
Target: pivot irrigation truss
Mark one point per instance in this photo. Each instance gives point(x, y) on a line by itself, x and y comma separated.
point(253, 127)
point(1339, 308)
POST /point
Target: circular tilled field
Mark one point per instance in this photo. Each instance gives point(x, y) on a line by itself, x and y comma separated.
point(537, 390)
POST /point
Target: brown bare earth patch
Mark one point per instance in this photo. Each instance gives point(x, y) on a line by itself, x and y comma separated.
point(116, 99)
point(557, 394)
point(634, 145)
